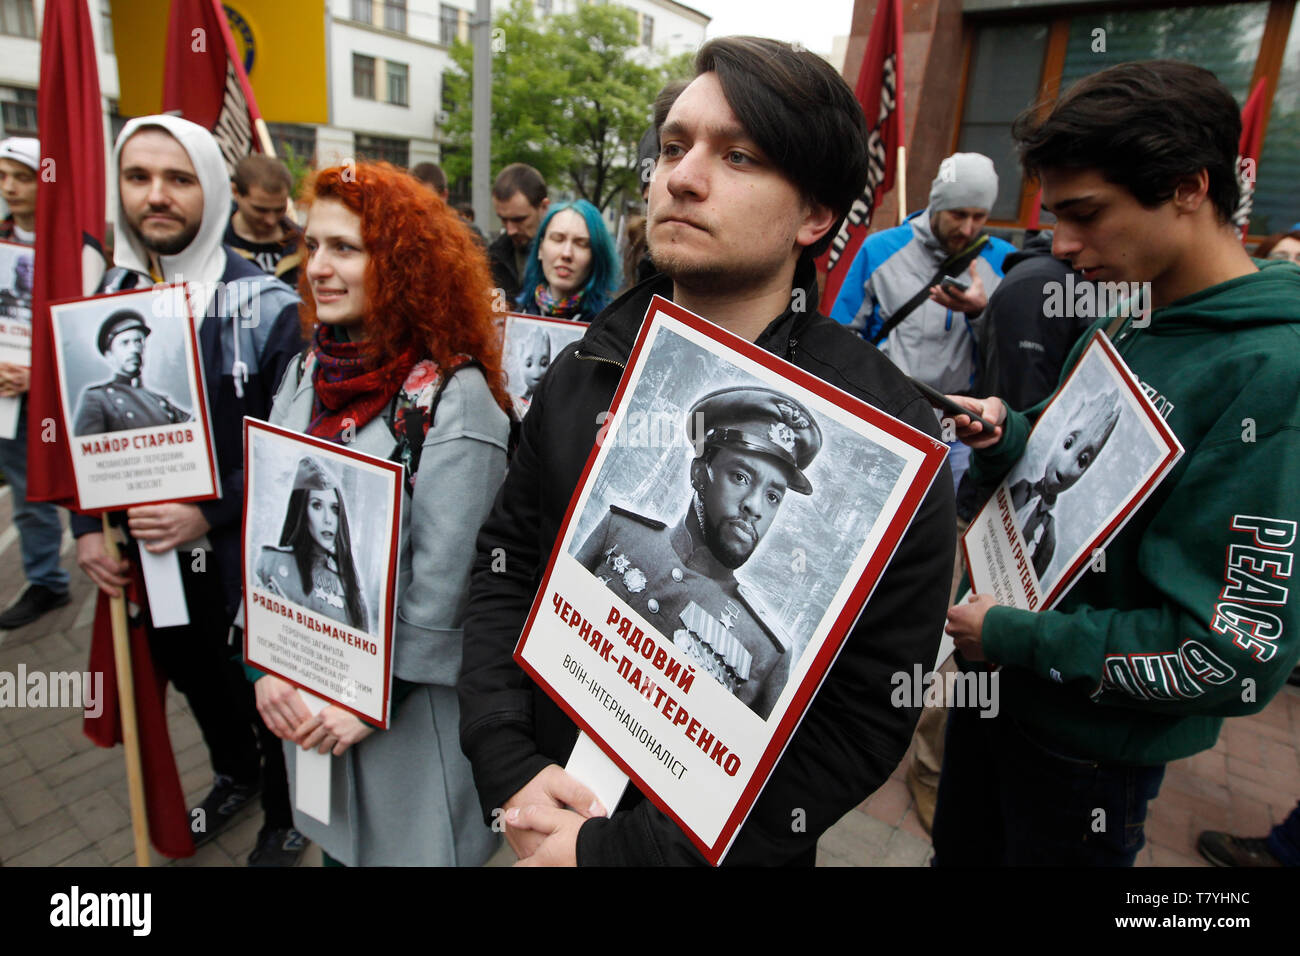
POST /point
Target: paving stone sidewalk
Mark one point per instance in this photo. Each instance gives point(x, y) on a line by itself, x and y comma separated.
point(63, 801)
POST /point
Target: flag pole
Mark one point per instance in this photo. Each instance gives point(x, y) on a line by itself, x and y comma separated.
point(126, 702)
point(901, 169)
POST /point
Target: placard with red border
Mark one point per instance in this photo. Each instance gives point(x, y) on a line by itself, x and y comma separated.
point(15, 331)
point(348, 666)
point(688, 742)
point(136, 466)
point(997, 553)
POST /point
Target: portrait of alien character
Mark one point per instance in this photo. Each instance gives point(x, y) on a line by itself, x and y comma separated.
point(123, 402)
point(753, 447)
point(533, 355)
point(1076, 447)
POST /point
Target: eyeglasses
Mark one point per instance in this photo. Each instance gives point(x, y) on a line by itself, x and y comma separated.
point(1281, 255)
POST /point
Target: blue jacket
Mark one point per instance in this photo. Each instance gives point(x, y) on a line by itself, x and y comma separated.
point(931, 344)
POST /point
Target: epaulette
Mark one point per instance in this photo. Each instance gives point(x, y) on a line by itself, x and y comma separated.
point(763, 616)
point(642, 519)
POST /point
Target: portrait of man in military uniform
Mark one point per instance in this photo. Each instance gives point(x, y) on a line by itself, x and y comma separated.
point(123, 402)
point(753, 446)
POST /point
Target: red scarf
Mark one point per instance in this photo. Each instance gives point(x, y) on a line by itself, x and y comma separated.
point(347, 394)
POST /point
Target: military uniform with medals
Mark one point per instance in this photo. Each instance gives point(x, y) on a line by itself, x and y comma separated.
point(669, 576)
point(123, 402)
point(277, 572)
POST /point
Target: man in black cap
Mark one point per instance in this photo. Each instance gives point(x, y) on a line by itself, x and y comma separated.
point(753, 446)
point(124, 402)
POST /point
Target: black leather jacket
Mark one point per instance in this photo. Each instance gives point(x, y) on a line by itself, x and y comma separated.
point(851, 738)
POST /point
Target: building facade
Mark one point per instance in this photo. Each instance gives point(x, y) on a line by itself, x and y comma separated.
point(970, 66)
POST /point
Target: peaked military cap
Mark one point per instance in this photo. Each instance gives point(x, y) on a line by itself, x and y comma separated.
point(313, 476)
point(123, 320)
point(758, 420)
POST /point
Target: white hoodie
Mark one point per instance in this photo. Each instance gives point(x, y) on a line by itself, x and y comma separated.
point(202, 263)
point(204, 259)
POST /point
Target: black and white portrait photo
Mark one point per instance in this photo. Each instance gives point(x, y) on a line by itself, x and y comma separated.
point(123, 367)
point(1094, 454)
point(732, 521)
point(132, 398)
point(17, 273)
point(1087, 452)
point(727, 514)
point(312, 565)
point(530, 345)
point(321, 533)
point(304, 535)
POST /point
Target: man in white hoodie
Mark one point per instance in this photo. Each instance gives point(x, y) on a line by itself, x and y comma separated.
point(174, 204)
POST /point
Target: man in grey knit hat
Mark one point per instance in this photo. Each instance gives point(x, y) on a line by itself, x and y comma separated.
point(935, 341)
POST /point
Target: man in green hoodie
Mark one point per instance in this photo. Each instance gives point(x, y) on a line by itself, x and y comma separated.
point(1191, 621)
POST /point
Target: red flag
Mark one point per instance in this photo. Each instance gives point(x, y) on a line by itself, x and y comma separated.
point(205, 79)
point(880, 91)
point(1252, 133)
point(69, 218)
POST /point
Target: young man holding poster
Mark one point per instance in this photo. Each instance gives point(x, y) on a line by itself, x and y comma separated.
point(761, 156)
point(40, 529)
point(1186, 618)
point(173, 209)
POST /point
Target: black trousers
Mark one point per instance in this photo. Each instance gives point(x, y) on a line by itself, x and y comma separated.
point(201, 664)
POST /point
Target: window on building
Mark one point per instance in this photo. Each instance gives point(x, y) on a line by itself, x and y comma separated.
point(647, 30)
point(1011, 63)
point(395, 15)
point(448, 24)
point(106, 24)
point(459, 188)
point(1277, 202)
point(290, 136)
point(448, 101)
point(397, 83)
point(395, 151)
point(18, 18)
point(1005, 66)
point(1223, 39)
point(362, 11)
point(18, 111)
point(363, 76)
point(116, 121)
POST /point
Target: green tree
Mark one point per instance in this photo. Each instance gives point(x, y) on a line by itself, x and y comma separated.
point(571, 96)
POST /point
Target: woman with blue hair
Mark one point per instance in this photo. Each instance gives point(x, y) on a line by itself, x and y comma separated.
point(572, 268)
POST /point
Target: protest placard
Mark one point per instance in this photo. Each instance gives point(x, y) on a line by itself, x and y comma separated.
point(133, 399)
point(1054, 512)
point(319, 595)
point(730, 525)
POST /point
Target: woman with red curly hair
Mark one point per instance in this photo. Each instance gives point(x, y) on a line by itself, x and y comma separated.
point(397, 299)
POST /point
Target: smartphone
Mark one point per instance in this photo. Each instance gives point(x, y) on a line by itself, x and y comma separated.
point(955, 282)
point(945, 404)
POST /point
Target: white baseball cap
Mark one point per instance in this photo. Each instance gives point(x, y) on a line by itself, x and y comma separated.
point(22, 149)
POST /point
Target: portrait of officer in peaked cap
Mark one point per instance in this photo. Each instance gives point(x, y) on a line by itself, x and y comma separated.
point(752, 446)
point(123, 401)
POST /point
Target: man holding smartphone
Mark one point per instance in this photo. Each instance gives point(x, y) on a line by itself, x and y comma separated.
point(895, 295)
